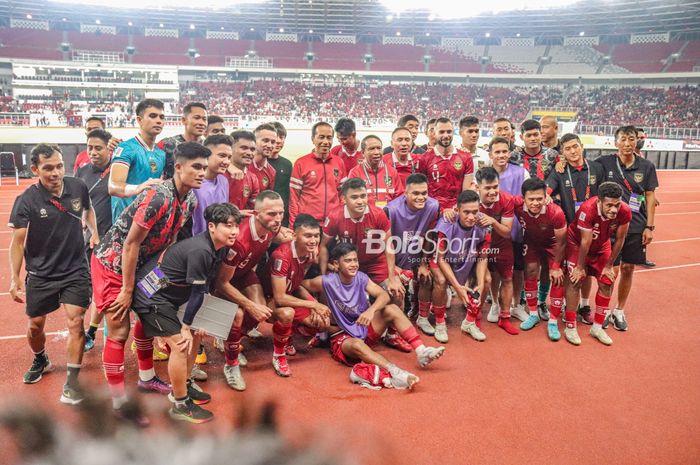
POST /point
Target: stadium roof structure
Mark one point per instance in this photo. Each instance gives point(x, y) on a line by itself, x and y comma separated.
point(371, 18)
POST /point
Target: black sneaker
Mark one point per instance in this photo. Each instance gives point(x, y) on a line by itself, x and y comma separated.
point(543, 311)
point(40, 365)
point(619, 321)
point(586, 314)
point(606, 322)
point(190, 412)
point(198, 396)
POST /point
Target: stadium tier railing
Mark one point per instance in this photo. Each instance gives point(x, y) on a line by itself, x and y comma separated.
point(653, 132)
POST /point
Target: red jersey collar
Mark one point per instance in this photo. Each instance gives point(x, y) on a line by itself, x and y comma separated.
point(346, 214)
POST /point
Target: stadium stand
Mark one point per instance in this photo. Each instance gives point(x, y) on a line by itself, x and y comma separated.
point(283, 54)
point(161, 50)
point(640, 58)
point(30, 44)
point(392, 57)
point(339, 56)
point(95, 41)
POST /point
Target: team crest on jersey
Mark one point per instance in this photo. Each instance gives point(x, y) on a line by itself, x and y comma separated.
point(638, 177)
point(336, 172)
point(544, 163)
point(610, 175)
point(389, 182)
point(246, 191)
point(458, 164)
point(265, 181)
point(43, 214)
point(582, 216)
point(568, 184)
point(278, 264)
point(593, 180)
point(76, 205)
point(154, 166)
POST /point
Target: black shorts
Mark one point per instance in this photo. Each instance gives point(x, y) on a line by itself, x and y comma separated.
point(518, 256)
point(45, 295)
point(633, 252)
point(159, 319)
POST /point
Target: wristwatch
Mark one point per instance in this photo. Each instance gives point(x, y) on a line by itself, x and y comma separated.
point(650, 228)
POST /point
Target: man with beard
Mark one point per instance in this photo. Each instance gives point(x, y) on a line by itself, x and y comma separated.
point(243, 191)
point(265, 142)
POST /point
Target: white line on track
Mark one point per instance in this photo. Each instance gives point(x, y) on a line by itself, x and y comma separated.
point(678, 203)
point(679, 213)
point(664, 242)
point(688, 265)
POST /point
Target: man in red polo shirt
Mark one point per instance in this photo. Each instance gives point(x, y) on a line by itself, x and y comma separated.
point(316, 178)
point(382, 180)
point(265, 142)
point(349, 149)
point(400, 157)
point(242, 191)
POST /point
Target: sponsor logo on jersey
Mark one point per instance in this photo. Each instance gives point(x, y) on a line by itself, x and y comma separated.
point(278, 264)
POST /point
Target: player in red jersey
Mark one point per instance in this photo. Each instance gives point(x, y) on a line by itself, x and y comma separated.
point(265, 142)
point(238, 282)
point(588, 251)
point(349, 149)
point(242, 191)
point(544, 231)
point(293, 307)
point(316, 178)
point(449, 170)
point(401, 158)
point(382, 180)
point(497, 211)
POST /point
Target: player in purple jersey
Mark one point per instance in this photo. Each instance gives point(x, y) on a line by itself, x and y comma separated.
point(360, 325)
point(461, 261)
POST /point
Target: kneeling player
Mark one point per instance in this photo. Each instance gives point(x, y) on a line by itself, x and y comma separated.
point(361, 324)
point(461, 261)
point(292, 305)
point(544, 229)
point(588, 250)
point(187, 268)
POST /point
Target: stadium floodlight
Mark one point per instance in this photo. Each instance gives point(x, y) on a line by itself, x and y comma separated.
point(153, 5)
point(130, 23)
point(452, 9)
point(29, 16)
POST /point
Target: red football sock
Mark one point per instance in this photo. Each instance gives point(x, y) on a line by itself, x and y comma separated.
point(424, 309)
point(473, 311)
point(411, 336)
point(232, 346)
point(113, 363)
point(570, 317)
point(602, 303)
point(144, 347)
point(556, 295)
point(439, 311)
point(372, 337)
point(281, 333)
point(531, 293)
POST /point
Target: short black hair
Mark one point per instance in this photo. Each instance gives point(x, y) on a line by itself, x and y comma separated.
point(640, 129)
point(101, 134)
point(96, 118)
point(533, 184)
point(467, 196)
point(363, 143)
point(626, 130)
point(266, 127)
point(487, 173)
point(443, 120)
point(345, 127)
point(430, 121)
point(187, 109)
point(43, 150)
point(403, 121)
point(306, 220)
point(352, 183)
point(147, 103)
point(569, 137)
point(502, 120)
point(267, 195)
point(281, 130)
point(315, 127)
point(610, 190)
point(220, 213)
point(191, 151)
point(529, 125)
point(400, 128)
point(416, 178)
point(468, 121)
point(498, 140)
point(214, 119)
point(242, 134)
point(217, 139)
point(341, 250)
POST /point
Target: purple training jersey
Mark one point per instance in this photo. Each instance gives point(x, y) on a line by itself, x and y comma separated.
point(462, 246)
point(211, 192)
point(511, 181)
point(409, 227)
point(347, 302)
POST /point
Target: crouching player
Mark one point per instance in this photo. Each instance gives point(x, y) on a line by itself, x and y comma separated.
point(292, 305)
point(461, 260)
point(361, 324)
point(184, 271)
point(588, 250)
point(544, 228)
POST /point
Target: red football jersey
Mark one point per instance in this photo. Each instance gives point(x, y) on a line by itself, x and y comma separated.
point(286, 264)
point(365, 233)
point(503, 207)
point(445, 175)
point(539, 229)
point(242, 192)
point(589, 218)
point(248, 249)
point(404, 169)
point(265, 174)
point(349, 159)
point(383, 185)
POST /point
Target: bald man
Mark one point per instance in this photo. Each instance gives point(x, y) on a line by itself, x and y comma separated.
point(549, 130)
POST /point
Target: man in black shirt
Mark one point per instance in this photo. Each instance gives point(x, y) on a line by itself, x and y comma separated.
point(283, 169)
point(637, 177)
point(47, 219)
point(187, 268)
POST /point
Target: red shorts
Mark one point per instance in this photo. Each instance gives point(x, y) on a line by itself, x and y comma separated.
point(594, 263)
point(533, 253)
point(247, 280)
point(377, 271)
point(503, 261)
point(106, 284)
point(337, 340)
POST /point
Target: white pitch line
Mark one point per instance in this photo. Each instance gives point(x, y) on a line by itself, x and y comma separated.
point(677, 203)
point(668, 241)
point(689, 265)
point(679, 213)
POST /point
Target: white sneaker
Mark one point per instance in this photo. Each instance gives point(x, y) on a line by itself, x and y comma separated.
point(601, 335)
point(572, 336)
point(493, 314)
point(198, 374)
point(425, 326)
point(473, 330)
point(242, 360)
point(441, 332)
point(450, 294)
point(404, 380)
point(254, 333)
point(426, 355)
point(519, 312)
point(219, 344)
point(234, 378)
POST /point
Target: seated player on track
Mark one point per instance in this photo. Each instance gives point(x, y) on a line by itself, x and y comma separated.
point(588, 251)
point(544, 228)
point(187, 267)
point(361, 324)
